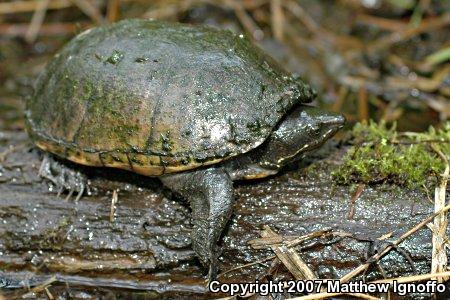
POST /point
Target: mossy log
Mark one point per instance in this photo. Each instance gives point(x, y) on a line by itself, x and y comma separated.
point(146, 245)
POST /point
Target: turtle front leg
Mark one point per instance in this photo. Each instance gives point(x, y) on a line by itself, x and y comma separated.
point(210, 194)
point(63, 177)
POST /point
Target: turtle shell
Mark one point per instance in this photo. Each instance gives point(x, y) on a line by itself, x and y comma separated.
point(156, 97)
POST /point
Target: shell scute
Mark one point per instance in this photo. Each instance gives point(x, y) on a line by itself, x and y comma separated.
point(164, 97)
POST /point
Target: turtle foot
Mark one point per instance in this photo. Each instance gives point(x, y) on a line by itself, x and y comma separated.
point(64, 178)
point(210, 195)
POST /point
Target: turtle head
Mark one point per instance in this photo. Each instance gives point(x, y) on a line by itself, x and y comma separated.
point(305, 128)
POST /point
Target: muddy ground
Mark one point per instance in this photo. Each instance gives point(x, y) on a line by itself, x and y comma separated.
point(146, 247)
point(366, 59)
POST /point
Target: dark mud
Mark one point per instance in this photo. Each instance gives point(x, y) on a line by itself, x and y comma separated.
point(147, 246)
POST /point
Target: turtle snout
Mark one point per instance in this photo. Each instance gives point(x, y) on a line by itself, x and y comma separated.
point(333, 120)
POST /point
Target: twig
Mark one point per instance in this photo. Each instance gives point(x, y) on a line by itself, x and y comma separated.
point(49, 295)
point(294, 8)
point(418, 12)
point(322, 36)
point(246, 21)
point(355, 196)
point(382, 23)
point(4, 154)
point(262, 243)
point(396, 37)
point(414, 278)
point(439, 255)
point(277, 19)
point(90, 9)
point(427, 191)
point(342, 96)
point(421, 83)
point(113, 10)
point(390, 280)
point(169, 10)
point(36, 21)
point(248, 265)
point(388, 248)
point(114, 199)
point(27, 6)
point(439, 56)
point(363, 105)
point(290, 258)
point(49, 29)
point(41, 287)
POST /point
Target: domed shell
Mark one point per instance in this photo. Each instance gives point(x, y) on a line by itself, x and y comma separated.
point(156, 97)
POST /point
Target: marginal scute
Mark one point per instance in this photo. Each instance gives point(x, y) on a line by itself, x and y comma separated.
point(158, 97)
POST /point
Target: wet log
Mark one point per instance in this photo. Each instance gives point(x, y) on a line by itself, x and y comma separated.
point(146, 245)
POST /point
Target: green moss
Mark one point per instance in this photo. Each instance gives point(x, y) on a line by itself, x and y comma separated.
point(166, 143)
point(115, 57)
point(381, 154)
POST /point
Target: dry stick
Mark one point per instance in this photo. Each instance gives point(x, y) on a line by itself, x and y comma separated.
point(363, 104)
point(439, 255)
point(388, 248)
point(261, 243)
point(90, 9)
point(355, 196)
point(277, 19)
point(49, 295)
point(342, 96)
point(169, 10)
point(247, 265)
point(41, 287)
point(322, 36)
point(290, 258)
point(113, 206)
point(419, 10)
point(27, 6)
point(396, 37)
point(15, 7)
point(293, 243)
point(422, 83)
point(413, 278)
point(382, 23)
point(4, 154)
point(36, 21)
point(113, 10)
point(298, 11)
point(390, 280)
point(49, 29)
point(246, 21)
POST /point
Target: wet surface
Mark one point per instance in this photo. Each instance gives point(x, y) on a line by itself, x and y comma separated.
point(145, 252)
point(147, 245)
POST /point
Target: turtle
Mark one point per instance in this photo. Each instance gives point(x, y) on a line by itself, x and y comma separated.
point(195, 106)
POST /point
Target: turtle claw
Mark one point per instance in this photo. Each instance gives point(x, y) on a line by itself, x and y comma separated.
point(80, 193)
point(61, 189)
point(69, 195)
point(63, 177)
point(212, 273)
point(210, 195)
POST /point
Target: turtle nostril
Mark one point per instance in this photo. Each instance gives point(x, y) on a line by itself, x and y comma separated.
point(340, 120)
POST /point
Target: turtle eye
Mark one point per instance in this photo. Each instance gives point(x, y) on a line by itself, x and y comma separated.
point(315, 128)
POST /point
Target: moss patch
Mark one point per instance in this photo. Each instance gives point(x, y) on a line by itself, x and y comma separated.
point(381, 154)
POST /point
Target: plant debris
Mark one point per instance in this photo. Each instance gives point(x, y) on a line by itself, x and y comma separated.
point(380, 154)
